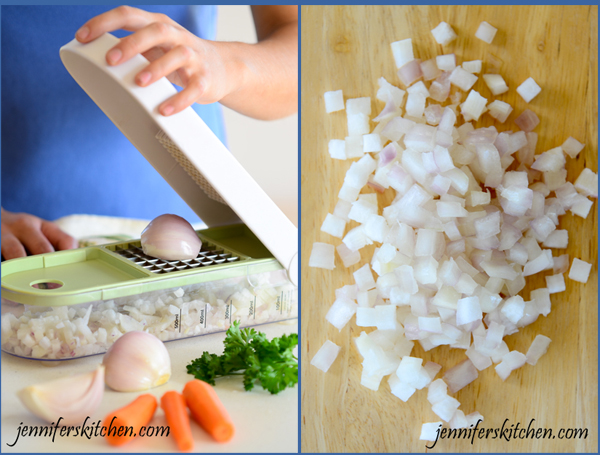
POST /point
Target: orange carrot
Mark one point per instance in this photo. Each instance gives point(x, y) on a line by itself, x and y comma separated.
point(135, 415)
point(208, 410)
point(176, 412)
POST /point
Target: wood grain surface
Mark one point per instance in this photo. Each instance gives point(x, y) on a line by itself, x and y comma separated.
point(348, 48)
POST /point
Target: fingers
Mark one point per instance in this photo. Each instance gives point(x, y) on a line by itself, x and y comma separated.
point(34, 240)
point(123, 17)
point(165, 65)
point(183, 99)
point(11, 246)
point(57, 237)
point(155, 34)
point(23, 233)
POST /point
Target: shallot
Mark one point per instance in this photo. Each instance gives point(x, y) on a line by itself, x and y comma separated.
point(136, 361)
point(170, 237)
point(65, 401)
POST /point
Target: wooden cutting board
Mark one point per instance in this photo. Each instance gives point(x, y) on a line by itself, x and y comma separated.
point(348, 48)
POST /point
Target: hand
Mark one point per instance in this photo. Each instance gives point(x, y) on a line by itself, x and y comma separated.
point(22, 232)
point(252, 79)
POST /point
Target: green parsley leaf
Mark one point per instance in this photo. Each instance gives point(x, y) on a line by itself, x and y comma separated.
point(249, 353)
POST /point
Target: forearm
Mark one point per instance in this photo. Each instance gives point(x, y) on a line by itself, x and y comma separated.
point(265, 75)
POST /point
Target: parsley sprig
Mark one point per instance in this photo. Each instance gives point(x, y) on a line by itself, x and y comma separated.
point(248, 353)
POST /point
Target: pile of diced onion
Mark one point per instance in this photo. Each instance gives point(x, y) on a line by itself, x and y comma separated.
point(462, 233)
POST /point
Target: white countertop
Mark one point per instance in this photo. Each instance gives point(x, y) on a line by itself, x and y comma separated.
point(264, 422)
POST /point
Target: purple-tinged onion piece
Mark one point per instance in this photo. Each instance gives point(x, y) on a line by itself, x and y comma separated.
point(171, 238)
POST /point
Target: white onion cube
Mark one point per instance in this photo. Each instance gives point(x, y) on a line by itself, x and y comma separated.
point(555, 283)
point(462, 79)
point(486, 32)
point(538, 348)
point(474, 66)
point(430, 431)
point(403, 52)
point(364, 278)
point(446, 408)
point(468, 310)
point(446, 62)
point(348, 257)
point(358, 106)
point(444, 34)
point(580, 270)
point(341, 312)
point(325, 356)
point(460, 376)
point(337, 149)
point(587, 183)
point(473, 106)
point(358, 124)
point(572, 147)
point(334, 101)
point(322, 256)
point(510, 362)
point(372, 143)
point(495, 83)
point(334, 226)
point(528, 89)
point(400, 389)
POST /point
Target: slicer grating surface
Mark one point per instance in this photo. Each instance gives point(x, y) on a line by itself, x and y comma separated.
point(209, 255)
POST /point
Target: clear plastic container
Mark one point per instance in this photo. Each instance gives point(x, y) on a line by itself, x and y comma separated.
point(54, 309)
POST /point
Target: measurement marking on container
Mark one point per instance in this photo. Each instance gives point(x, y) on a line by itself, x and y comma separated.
point(176, 324)
point(205, 314)
point(179, 319)
point(252, 311)
point(202, 316)
point(278, 305)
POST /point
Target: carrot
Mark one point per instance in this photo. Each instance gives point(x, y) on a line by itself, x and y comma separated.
point(135, 415)
point(208, 410)
point(176, 412)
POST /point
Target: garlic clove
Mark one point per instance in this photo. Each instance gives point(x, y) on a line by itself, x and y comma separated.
point(170, 237)
point(73, 398)
point(137, 361)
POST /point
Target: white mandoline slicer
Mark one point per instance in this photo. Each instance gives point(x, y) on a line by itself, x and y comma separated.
point(198, 166)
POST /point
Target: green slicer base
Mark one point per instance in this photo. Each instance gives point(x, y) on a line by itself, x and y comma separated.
point(75, 303)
